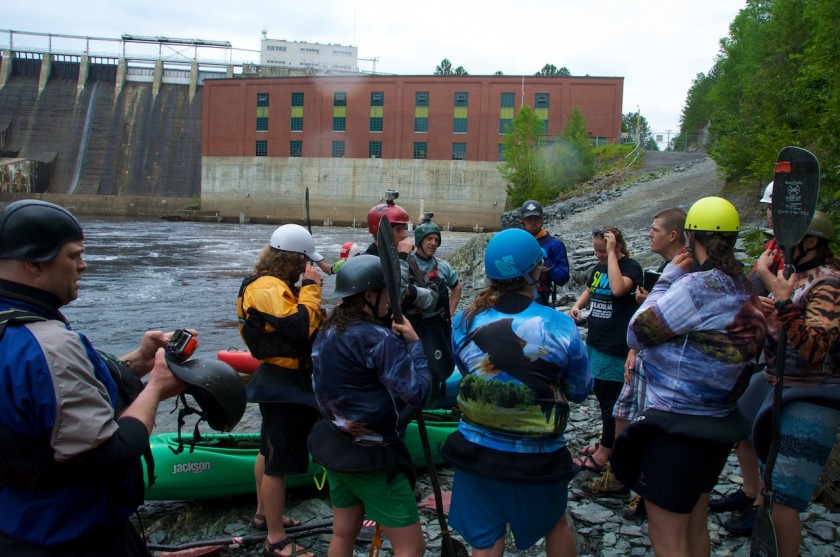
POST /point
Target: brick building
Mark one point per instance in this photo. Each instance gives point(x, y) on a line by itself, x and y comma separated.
point(436, 138)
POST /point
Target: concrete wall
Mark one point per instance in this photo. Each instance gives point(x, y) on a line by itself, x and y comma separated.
point(462, 194)
point(129, 206)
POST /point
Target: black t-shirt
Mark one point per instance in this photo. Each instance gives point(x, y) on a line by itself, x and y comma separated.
point(610, 316)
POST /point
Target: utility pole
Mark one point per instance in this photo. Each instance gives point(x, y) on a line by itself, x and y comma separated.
point(638, 125)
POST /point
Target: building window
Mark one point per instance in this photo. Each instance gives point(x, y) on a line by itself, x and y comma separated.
point(262, 148)
point(262, 124)
point(262, 99)
point(419, 149)
point(338, 149)
point(296, 121)
point(295, 148)
point(508, 100)
point(340, 99)
point(462, 99)
point(501, 152)
point(377, 101)
point(375, 124)
point(297, 99)
point(541, 102)
point(421, 98)
point(377, 98)
point(459, 125)
point(421, 112)
point(375, 150)
point(506, 109)
point(504, 123)
point(339, 124)
point(421, 124)
point(296, 124)
point(459, 151)
point(339, 112)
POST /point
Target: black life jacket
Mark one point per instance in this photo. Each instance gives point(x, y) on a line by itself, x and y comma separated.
point(433, 281)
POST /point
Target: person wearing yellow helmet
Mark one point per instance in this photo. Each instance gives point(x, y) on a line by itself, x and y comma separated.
point(701, 332)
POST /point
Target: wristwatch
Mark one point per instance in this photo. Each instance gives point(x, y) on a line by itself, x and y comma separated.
point(780, 304)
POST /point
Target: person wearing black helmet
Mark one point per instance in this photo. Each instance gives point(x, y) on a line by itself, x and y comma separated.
point(556, 270)
point(368, 375)
point(434, 326)
point(70, 467)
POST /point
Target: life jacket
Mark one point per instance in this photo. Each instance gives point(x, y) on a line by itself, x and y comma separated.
point(27, 463)
point(262, 343)
point(433, 281)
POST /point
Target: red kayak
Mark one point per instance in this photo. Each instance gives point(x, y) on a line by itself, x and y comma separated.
point(240, 360)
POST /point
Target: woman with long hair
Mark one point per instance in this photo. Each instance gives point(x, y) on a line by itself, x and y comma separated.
point(369, 375)
point(521, 363)
point(701, 333)
point(609, 292)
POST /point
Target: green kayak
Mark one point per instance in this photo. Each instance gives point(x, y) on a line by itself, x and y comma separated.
point(222, 464)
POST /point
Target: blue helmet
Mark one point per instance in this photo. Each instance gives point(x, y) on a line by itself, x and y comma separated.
point(512, 253)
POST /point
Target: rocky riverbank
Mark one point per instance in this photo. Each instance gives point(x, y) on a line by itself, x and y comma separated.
point(601, 529)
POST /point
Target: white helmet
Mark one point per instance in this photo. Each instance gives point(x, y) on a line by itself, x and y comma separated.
point(295, 238)
point(768, 194)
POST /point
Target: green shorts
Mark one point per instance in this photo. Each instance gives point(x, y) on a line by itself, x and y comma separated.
point(389, 504)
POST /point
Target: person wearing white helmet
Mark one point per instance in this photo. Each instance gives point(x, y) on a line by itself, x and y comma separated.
point(772, 245)
point(278, 319)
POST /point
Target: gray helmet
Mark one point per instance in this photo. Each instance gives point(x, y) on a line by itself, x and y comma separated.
point(359, 274)
point(531, 208)
point(821, 226)
point(35, 231)
point(217, 389)
point(423, 230)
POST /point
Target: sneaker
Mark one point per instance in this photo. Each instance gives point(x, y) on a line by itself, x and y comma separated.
point(606, 485)
point(635, 510)
point(736, 501)
point(742, 523)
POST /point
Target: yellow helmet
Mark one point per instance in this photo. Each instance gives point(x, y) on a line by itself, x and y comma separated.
point(712, 214)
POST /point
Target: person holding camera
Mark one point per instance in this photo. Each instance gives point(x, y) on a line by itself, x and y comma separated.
point(278, 321)
point(434, 327)
point(73, 425)
point(609, 294)
point(556, 270)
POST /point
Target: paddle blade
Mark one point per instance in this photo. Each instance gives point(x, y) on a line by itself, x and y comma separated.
point(308, 217)
point(390, 260)
point(796, 187)
point(452, 547)
point(763, 541)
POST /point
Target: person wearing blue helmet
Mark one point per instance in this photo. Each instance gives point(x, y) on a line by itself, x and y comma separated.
point(521, 363)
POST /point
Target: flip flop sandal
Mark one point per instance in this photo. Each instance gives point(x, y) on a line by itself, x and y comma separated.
point(587, 462)
point(272, 549)
point(590, 450)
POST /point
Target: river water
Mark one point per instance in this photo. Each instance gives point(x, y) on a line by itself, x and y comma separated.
point(166, 275)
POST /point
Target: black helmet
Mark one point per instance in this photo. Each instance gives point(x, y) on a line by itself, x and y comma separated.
point(217, 389)
point(359, 274)
point(35, 231)
point(531, 208)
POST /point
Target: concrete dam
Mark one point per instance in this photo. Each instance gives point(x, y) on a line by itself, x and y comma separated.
point(77, 132)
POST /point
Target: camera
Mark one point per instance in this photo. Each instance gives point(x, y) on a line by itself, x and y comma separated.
point(390, 196)
point(427, 216)
point(181, 345)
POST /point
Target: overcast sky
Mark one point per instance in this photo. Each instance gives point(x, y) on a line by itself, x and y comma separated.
point(657, 46)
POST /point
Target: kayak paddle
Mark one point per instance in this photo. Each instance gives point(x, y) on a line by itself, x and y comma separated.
point(796, 187)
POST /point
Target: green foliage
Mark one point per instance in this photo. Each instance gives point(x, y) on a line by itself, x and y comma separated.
point(535, 169)
point(610, 157)
point(550, 70)
point(444, 68)
point(775, 83)
point(633, 120)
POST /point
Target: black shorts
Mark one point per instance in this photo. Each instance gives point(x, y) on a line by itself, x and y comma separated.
point(285, 428)
point(676, 470)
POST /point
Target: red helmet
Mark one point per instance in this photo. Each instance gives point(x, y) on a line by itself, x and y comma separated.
point(349, 249)
point(395, 214)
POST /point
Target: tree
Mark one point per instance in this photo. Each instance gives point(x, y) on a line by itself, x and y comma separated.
point(498, 72)
point(445, 68)
point(630, 120)
point(570, 158)
point(550, 70)
point(521, 169)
